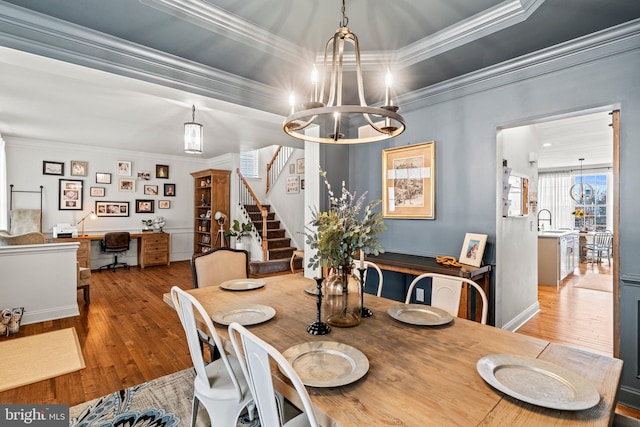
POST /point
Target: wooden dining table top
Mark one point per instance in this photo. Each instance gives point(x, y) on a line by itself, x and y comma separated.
point(418, 376)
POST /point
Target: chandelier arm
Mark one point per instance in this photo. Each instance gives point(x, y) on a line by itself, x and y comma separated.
point(354, 40)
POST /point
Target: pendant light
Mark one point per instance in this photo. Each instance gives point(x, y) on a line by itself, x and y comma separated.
point(193, 135)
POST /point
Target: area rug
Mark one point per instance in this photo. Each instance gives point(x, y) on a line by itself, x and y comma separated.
point(34, 358)
point(163, 402)
point(596, 282)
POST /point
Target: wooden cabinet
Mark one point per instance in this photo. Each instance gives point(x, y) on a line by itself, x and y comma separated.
point(211, 194)
point(84, 250)
point(154, 249)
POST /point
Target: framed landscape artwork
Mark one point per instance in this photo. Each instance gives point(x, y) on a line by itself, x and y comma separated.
point(52, 168)
point(70, 194)
point(112, 208)
point(408, 178)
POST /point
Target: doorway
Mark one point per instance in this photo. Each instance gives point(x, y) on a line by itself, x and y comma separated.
point(562, 141)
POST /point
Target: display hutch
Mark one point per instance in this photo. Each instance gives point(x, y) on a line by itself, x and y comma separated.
point(211, 195)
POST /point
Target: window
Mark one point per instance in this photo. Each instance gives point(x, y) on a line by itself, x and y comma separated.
point(594, 203)
point(249, 164)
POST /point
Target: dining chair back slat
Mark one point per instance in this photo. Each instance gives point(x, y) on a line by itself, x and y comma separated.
point(446, 292)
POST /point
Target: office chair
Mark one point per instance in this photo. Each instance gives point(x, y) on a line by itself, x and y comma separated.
point(115, 243)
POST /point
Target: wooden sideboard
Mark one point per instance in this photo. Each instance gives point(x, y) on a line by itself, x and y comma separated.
point(416, 265)
point(153, 248)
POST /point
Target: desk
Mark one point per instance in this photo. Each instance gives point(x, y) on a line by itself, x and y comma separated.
point(418, 376)
point(417, 265)
point(153, 248)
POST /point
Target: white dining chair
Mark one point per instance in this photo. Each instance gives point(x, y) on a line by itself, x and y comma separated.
point(220, 385)
point(257, 370)
point(446, 292)
point(368, 265)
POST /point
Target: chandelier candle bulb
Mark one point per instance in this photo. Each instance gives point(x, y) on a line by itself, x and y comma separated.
point(314, 84)
point(388, 81)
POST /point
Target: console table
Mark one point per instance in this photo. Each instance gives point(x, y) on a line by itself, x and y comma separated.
point(416, 265)
point(153, 248)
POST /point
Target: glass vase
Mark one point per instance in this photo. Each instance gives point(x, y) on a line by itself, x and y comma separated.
point(341, 302)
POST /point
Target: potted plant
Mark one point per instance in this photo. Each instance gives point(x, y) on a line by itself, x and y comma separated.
point(337, 235)
point(239, 231)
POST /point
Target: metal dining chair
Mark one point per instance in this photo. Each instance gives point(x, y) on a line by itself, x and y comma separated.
point(220, 385)
point(446, 292)
point(601, 245)
point(257, 369)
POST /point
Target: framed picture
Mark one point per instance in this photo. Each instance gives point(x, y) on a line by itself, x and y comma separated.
point(112, 208)
point(151, 190)
point(96, 191)
point(127, 185)
point(164, 204)
point(52, 168)
point(408, 178)
point(293, 184)
point(292, 168)
point(473, 249)
point(169, 190)
point(79, 168)
point(70, 194)
point(123, 168)
point(162, 171)
point(144, 176)
point(300, 165)
point(103, 178)
point(144, 206)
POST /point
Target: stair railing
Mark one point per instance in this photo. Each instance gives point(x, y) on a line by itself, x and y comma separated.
point(276, 164)
point(246, 196)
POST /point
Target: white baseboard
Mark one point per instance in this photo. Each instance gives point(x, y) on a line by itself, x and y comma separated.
point(49, 314)
point(522, 318)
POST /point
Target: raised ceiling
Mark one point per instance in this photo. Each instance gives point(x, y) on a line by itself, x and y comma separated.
point(241, 59)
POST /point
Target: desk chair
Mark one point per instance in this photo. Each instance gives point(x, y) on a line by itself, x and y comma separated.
point(115, 242)
point(446, 292)
point(257, 370)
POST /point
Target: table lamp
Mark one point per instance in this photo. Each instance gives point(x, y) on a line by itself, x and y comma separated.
point(91, 214)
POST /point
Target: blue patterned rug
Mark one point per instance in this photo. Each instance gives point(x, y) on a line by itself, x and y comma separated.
point(163, 402)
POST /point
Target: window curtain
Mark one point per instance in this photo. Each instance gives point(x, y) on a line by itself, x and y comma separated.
point(4, 203)
point(554, 194)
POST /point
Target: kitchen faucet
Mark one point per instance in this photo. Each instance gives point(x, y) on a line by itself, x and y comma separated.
point(544, 219)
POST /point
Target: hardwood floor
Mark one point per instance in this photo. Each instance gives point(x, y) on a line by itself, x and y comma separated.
point(129, 335)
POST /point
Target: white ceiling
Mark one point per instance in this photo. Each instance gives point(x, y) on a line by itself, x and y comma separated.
point(244, 58)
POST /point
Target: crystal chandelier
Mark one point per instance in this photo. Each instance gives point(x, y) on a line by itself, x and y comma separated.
point(193, 135)
point(331, 116)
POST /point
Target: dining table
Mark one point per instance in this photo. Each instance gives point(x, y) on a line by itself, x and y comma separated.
point(417, 375)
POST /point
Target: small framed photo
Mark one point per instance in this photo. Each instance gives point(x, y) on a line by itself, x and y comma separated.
point(70, 194)
point(293, 184)
point(127, 185)
point(162, 171)
point(164, 204)
point(473, 249)
point(124, 168)
point(151, 190)
point(52, 168)
point(169, 190)
point(144, 206)
point(103, 178)
point(112, 208)
point(96, 191)
point(79, 168)
point(292, 168)
point(300, 165)
point(144, 176)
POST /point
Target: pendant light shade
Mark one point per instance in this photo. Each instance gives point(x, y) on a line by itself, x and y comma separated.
point(193, 135)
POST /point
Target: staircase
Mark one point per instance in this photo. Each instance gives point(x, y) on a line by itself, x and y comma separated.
point(278, 245)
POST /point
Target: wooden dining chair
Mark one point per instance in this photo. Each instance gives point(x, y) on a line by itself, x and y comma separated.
point(220, 385)
point(257, 369)
point(446, 292)
point(218, 265)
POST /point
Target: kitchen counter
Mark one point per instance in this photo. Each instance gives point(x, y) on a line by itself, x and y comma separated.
point(557, 255)
point(556, 233)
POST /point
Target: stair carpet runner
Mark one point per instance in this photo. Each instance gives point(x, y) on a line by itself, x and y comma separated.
point(279, 246)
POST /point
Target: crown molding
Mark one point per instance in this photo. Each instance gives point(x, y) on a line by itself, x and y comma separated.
point(39, 34)
point(609, 42)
